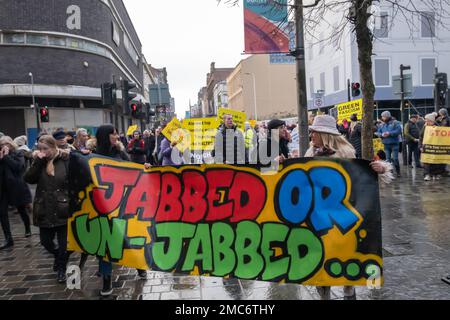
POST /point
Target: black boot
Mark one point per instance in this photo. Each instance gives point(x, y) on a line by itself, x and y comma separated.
point(107, 286)
point(62, 276)
point(8, 244)
point(27, 231)
point(142, 274)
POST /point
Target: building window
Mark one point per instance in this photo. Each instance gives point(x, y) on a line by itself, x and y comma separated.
point(128, 46)
point(115, 33)
point(57, 41)
point(428, 66)
point(322, 81)
point(336, 78)
point(36, 39)
point(382, 73)
point(14, 38)
point(383, 31)
point(311, 87)
point(428, 24)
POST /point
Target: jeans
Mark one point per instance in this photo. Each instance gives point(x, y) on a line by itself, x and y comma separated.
point(413, 147)
point(47, 240)
point(104, 267)
point(392, 155)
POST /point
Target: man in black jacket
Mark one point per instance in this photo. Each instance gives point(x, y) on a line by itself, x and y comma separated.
point(412, 134)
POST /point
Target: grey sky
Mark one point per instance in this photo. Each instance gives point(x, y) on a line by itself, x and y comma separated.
point(186, 36)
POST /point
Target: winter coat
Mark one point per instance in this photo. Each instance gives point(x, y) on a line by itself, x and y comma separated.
point(136, 149)
point(444, 122)
point(354, 137)
point(394, 129)
point(166, 151)
point(225, 149)
point(412, 131)
point(51, 202)
point(12, 168)
point(149, 146)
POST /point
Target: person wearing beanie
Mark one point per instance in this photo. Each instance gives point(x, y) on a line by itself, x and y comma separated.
point(61, 140)
point(412, 135)
point(390, 132)
point(443, 119)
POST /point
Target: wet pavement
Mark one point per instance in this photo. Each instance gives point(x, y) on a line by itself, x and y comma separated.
point(416, 249)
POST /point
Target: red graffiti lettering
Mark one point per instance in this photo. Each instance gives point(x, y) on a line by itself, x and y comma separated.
point(116, 180)
point(170, 206)
point(144, 197)
point(219, 182)
point(195, 205)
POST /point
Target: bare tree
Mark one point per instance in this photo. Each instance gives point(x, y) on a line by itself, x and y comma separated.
point(357, 17)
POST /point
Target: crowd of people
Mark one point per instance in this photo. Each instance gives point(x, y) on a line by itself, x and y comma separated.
point(47, 164)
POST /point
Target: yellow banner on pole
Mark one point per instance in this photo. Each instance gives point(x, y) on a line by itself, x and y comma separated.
point(345, 110)
point(436, 145)
point(239, 117)
point(131, 129)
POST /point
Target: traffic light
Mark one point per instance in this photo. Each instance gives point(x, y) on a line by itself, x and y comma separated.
point(150, 113)
point(108, 94)
point(442, 89)
point(356, 89)
point(127, 96)
point(45, 115)
point(134, 110)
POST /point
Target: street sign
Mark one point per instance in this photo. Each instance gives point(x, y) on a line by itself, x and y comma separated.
point(319, 101)
point(407, 83)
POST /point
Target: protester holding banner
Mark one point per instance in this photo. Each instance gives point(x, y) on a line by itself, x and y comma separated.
point(412, 134)
point(167, 149)
point(156, 151)
point(390, 132)
point(13, 190)
point(326, 141)
point(225, 150)
point(109, 145)
point(51, 203)
point(149, 145)
point(431, 169)
point(136, 148)
point(443, 119)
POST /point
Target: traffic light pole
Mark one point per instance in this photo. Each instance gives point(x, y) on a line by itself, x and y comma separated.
point(436, 91)
point(349, 90)
point(36, 109)
point(402, 110)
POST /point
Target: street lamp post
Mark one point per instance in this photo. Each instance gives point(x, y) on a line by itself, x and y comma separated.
point(34, 104)
point(254, 93)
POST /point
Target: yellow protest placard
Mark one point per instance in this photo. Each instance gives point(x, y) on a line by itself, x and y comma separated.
point(239, 118)
point(377, 145)
point(436, 145)
point(345, 110)
point(203, 132)
point(175, 132)
point(253, 123)
point(131, 129)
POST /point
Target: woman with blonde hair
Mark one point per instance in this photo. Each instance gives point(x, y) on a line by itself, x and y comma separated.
point(13, 190)
point(49, 171)
point(327, 141)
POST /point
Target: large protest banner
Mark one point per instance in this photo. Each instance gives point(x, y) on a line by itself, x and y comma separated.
point(266, 26)
point(315, 222)
point(239, 118)
point(436, 145)
point(345, 110)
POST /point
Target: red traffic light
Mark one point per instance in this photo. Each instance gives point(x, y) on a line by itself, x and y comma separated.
point(356, 86)
point(44, 112)
point(134, 107)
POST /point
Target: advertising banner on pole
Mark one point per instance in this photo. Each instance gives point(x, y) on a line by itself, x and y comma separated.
point(266, 26)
